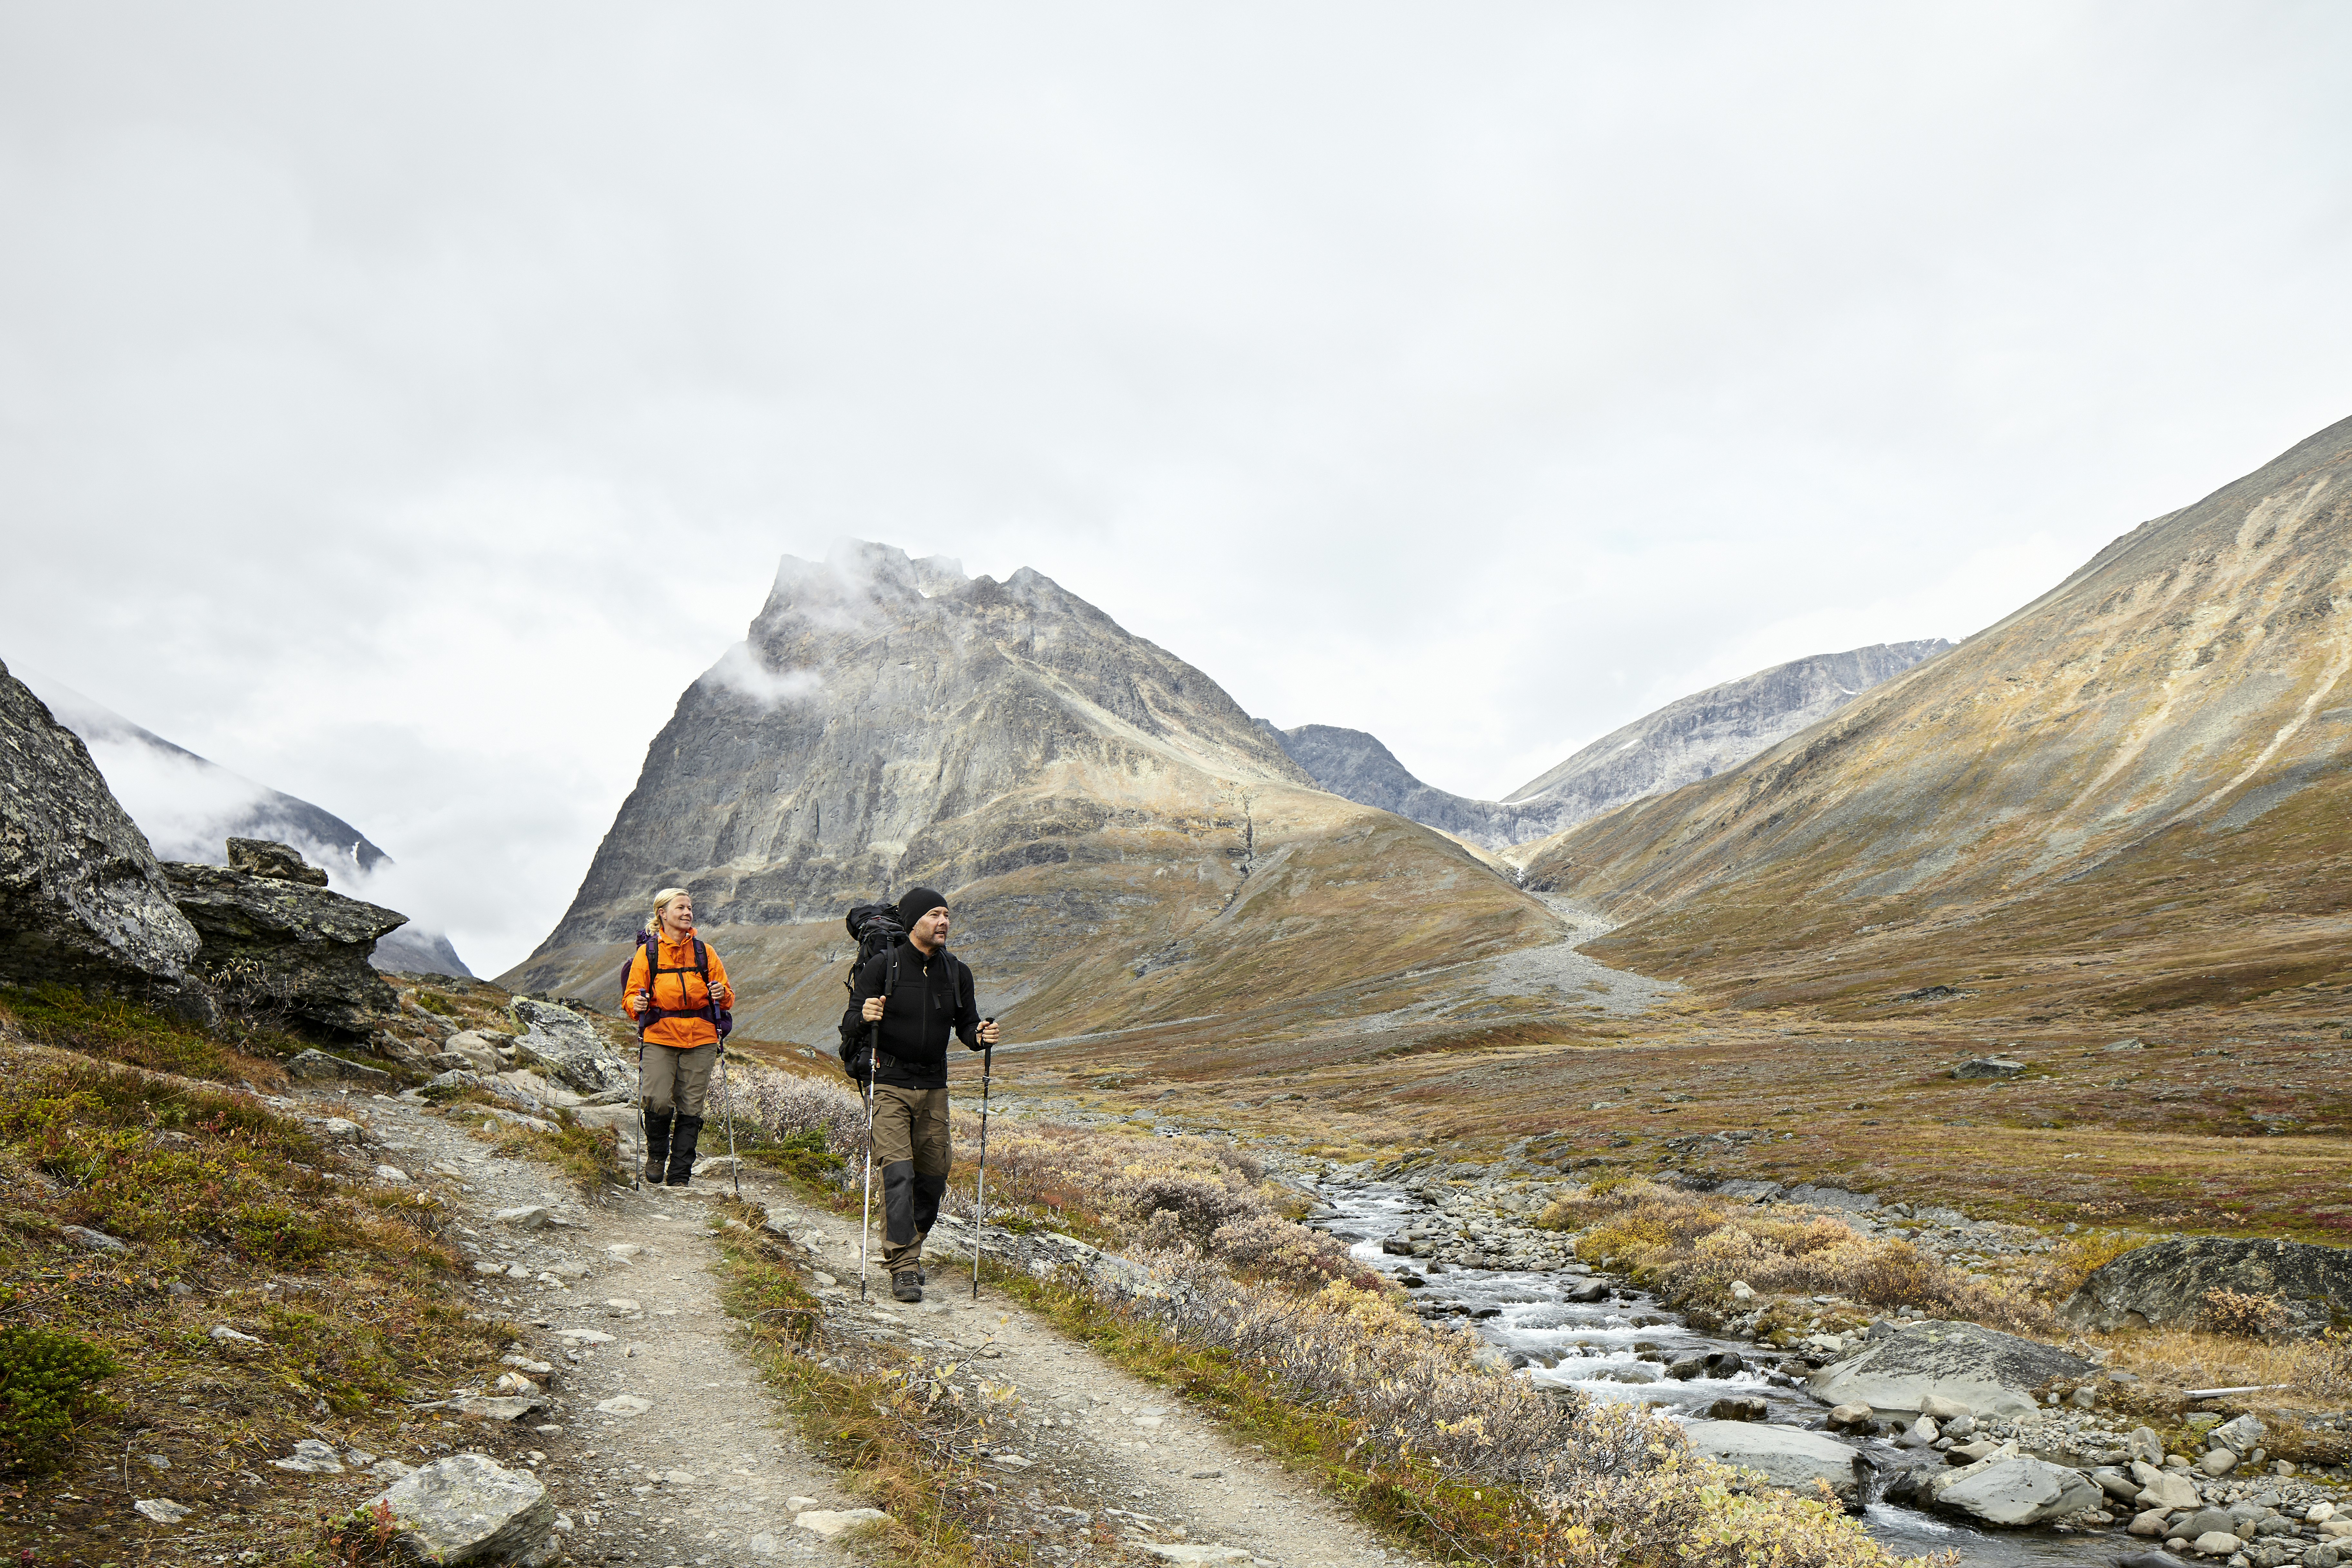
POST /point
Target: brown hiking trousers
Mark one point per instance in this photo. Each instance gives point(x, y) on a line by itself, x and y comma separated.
point(676, 1077)
point(911, 1146)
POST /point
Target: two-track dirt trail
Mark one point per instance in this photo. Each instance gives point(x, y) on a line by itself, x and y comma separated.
point(672, 1451)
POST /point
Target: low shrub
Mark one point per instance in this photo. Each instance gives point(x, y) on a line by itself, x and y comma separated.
point(47, 1382)
point(2242, 1314)
point(125, 1032)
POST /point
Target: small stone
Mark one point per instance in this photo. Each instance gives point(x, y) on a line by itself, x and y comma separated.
point(2216, 1544)
point(513, 1383)
point(2149, 1523)
point(1845, 1418)
point(801, 1504)
point(625, 1404)
point(622, 1306)
point(484, 1266)
point(1737, 1407)
point(341, 1130)
point(568, 1269)
point(162, 1510)
point(1938, 1408)
point(1740, 1291)
point(390, 1173)
point(524, 1363)
point(584, 1336)
point(2218, 1462)
point(2125, 1045)
point(830, 1522)
point(528, 1216)
point(95, 1240)
point(311, 1457)
point(1990, 1067)
point(2320, 1513)
point(228, 1336)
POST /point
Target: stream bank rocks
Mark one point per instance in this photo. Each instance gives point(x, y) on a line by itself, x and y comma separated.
point(1981, 1370)
point(1786, 1456)
point(82, 900)
point(2165, 1285)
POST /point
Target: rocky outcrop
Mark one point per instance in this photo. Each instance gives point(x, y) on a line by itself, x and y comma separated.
point(1785, 1457)
point(2147, 762)
point(82, 900)
point(1689, 739)
point(469, 1509)
point(2167, 1285)
point(1118, 840)
point(572, 1048)
point(1980, 1371)
point(284, 945)
point(188, 806)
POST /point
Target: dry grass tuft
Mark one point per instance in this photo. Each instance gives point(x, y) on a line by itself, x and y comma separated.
point(1691, 1246)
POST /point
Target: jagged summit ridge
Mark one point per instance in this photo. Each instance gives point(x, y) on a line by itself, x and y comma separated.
point(1120, 839)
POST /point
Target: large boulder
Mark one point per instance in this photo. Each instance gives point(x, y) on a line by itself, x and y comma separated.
point(287, 945)
point(2017, 1491)
point(469, 1509)
point(573, 1048)
point(1987, 1371)
point(2165, 1285)
point(82, 900)
point(1786, 1456)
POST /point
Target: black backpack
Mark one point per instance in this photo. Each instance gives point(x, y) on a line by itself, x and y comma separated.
point(876, 929)
point(722, 1018)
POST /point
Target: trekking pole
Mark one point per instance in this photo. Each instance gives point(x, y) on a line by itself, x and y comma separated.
point(866, 1226)
point(727, 1109)
point(638, 1167)
point(979, 1191)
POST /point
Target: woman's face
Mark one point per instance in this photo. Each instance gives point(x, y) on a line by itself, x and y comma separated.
point(678, 915)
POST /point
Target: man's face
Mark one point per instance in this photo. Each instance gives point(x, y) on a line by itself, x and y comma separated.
point(931, 931)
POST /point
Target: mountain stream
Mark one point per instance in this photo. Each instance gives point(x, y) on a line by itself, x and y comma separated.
point(1604, 1349)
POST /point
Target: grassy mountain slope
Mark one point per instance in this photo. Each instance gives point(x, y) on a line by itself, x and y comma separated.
point(2130, 794)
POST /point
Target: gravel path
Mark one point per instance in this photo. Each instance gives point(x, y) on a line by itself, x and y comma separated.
point(662, 1447)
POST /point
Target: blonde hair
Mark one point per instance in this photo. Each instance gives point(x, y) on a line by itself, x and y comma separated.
point(661, 901)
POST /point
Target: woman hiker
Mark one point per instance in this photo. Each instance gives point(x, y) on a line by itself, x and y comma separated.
point(679, 1040)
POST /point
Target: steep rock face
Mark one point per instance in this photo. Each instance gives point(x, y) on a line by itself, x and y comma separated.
point(277, 939)
point(2131, 790)
point(82, 900)
point(189, 806)
point(1121, 840)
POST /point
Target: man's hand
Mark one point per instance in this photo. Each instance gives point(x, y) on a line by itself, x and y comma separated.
point(873, 1012)
point(988, 1032)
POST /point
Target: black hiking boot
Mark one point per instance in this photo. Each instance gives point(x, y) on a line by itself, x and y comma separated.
point(907, 1285)
point(658, 1145)
point(681, 1150)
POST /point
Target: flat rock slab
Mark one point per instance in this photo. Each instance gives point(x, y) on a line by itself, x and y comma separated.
point(2020, 1491)
point(468, 1507)
point(1990, 1372)
point(2165, 1286)
point(831, 1521)
point(1187, 1553)
point(1784, 1457)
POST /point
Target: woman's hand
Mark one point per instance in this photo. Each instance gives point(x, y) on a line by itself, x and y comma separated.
point(872, 1013)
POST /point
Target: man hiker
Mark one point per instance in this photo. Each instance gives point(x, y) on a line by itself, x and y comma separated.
point(672, 1001)
point(931, 1000)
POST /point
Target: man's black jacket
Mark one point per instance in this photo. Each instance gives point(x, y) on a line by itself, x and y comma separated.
point(932, 1000)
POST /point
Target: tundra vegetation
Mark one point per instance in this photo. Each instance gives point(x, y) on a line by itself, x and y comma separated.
point(1270, 1328)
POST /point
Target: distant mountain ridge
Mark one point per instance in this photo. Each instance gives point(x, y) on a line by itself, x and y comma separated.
point(1689, 739)
point(189, 808)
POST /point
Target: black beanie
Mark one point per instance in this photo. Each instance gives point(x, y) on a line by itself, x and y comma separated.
point(918, 902)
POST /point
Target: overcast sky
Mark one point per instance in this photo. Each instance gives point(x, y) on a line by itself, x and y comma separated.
point(400, 405)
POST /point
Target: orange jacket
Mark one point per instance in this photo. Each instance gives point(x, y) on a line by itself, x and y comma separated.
point(679, 992)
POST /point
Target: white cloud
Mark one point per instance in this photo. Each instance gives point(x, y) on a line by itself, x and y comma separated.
point(740, 671)
point(404, 408)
